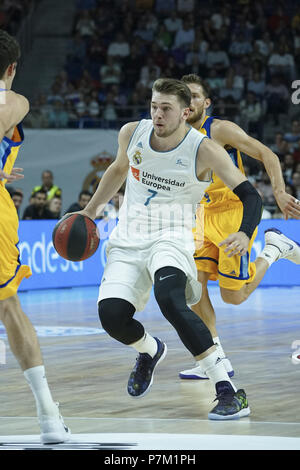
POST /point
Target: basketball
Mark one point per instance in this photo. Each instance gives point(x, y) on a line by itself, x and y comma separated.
point(76, 237)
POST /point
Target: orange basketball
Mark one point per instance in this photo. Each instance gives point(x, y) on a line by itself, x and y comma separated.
point(76, 237)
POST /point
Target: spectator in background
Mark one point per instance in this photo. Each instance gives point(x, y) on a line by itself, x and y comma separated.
point(38, 209)
point(54, 207)
point(277, 97)
point(229, 90)
point(240, 47)
point(48, 186)
point(265, 45)
point(110, 73)
point(184, 36)
point(251, 114)
point(17, 197)
point(163, 7)
point(173, 22)
point(293, 136)
point(282, 62)
point(281, 146)
point(85, 26)
point(83, 199)
point(217, 59)
point(163, 37)
point(58, 117)
point(120, 48)
point(288, 167)
point(296, 183)
point(185, 6)
point(257, 85)
point(296, 153)
point(109, 111)
point(265, 190)
point(214, 81)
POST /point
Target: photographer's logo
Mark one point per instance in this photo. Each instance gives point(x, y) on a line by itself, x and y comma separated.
point(2, 353)
point(296, 354)
point(2, 92)
point(296, 94)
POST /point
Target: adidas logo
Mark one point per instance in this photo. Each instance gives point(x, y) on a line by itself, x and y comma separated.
point(140, 145)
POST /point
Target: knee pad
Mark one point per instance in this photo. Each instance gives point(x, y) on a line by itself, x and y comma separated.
point(116, 317)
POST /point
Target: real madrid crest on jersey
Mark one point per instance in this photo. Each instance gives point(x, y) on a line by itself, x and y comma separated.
point(137, 157)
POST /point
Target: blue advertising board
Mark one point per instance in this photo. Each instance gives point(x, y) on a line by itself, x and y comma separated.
point(51, 271)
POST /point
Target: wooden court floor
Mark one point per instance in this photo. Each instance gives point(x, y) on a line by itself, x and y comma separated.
point(88, 371)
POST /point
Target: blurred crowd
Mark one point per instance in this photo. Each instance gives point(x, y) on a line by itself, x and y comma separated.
point(12, 13)
point(45, 201)
point(247, 51)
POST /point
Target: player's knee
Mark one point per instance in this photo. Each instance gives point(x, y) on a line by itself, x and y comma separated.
point(114, 314)
point(233, 297)
point(110, 316)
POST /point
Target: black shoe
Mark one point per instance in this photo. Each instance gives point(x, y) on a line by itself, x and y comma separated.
point(232, 405)
point(141, 377)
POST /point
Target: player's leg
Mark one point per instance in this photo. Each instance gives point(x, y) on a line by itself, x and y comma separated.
point(277, 246)
point(24, 345)
point(170, 293)
point(206, 312)
point(126, 276)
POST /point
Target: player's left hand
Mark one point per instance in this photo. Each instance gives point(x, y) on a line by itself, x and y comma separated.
point(288, 204)
point(15, 175)
point(236, 243)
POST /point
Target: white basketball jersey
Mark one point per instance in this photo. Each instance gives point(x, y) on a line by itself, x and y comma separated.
point(162, 190)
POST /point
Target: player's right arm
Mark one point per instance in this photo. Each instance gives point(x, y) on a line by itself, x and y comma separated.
point(12, 112)
point(113, 177)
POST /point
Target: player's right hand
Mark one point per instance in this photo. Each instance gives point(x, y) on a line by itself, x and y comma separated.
point(16, 174)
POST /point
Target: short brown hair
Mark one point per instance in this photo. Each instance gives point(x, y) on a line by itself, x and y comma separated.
point(171, 86)
point(193, 78)
point(9, 51)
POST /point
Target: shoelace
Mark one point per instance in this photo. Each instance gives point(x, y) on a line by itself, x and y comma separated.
point(142, 365)
point(224, 398)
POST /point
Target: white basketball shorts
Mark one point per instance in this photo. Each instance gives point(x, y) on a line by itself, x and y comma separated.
point(129, 272)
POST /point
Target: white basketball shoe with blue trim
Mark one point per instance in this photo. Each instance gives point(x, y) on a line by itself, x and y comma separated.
point(287, 248)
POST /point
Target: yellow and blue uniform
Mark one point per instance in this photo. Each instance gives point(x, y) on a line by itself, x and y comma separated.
point(220, 214)
point(11, 270)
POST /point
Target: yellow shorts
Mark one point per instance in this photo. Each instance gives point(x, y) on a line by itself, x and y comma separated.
point(232, 273)
point(11, 270)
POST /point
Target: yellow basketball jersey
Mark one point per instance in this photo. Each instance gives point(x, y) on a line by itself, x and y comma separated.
point(9, 149)
point(217, 193)
point(11, 270)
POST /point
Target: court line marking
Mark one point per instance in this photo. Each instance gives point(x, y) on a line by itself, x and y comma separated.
point(160, 419)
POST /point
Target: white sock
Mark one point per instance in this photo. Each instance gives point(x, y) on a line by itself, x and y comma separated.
point(215, 369)
point(269, 253)
point(220, 350)
point(147, 344)
point(37, 381)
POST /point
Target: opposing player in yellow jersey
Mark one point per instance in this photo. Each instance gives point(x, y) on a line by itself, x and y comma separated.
point(21, 334)
point(220, 213)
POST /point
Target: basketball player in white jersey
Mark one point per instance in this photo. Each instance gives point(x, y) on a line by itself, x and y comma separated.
point(168, 165)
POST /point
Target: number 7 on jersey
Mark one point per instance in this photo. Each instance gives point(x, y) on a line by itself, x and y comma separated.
point(153, 194)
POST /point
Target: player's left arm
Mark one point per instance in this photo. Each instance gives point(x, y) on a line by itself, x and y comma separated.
point(213, 156)
point(228, 133)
